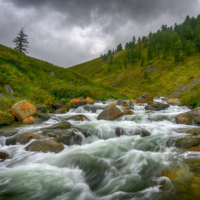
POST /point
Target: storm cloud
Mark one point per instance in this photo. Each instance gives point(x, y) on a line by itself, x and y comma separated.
point(68, 32)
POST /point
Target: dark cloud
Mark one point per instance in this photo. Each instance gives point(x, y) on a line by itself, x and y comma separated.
point(67, 32)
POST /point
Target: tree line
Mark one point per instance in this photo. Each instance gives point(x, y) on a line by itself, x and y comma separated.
point(178, 41)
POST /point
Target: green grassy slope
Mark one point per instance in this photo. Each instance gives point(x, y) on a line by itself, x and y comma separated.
point(165, 79)
point(30, 79)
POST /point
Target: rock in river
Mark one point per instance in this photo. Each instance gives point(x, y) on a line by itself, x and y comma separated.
point(45, 146)
point(110, 114)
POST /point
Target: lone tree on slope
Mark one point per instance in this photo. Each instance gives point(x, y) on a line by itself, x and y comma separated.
point(21, 42)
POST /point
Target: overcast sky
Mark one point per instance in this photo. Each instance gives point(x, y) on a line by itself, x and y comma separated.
point(69, 32)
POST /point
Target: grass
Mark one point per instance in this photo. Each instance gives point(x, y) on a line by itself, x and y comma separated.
point(164, 81)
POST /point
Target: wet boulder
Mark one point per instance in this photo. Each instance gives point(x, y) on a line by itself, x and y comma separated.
point(145, 98)
point(9, 133)
point(112, 105)
point(195, 115)
point(110, 114)
point(122, 103)
point(61, 125)
point(23, 139)
point(78, 118)
point(132, 102)
point(32, 120)
point(196, 148)
point(3, 156)
point(127, 110)
point(61, 110)
point(43, 116)
point(183, 119)
point(78, 102)
point(23, 110)
point(185, 142)
point(66, 136)
point(174, 102)
point(94, 108)
point(45, 146)
point(156, 106)
point(119, 131)
point(119, 102)
point(89, 100)
point(141, 132)
point(41, 109)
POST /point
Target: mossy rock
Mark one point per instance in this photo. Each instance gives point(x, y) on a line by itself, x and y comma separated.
point(110, 114)
point(185, 142)
point(183, 119)
point(78, 118)
point(23, 139)
point(62, 125)
point(45, 146)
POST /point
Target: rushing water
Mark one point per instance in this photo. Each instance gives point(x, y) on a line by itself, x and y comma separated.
point(105, 167)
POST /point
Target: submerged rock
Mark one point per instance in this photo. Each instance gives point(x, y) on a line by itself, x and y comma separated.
point(66, 136)
point(3, 156)
point(23, 139)
point(196, 148)
point(183, 119)
point(45, 146)
point(119, 131)
point(78, 118)
point(156, 106)
point(110, 114)
point(9, 133)
point(61, 125)
point(185, 142)
point(195, 115)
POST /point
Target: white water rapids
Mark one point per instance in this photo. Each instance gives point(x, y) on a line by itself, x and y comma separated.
point(104, 167)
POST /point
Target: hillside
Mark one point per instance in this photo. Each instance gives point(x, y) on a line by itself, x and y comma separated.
point(43, 83)
point(163, 63)
point(163, 76)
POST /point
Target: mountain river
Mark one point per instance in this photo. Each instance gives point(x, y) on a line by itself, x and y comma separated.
point(104, 166)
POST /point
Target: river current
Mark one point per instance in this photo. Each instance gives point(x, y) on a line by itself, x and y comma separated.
point(105, 167)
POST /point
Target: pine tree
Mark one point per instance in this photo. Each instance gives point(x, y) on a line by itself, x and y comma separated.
point(177, 51)
point(142, 60)
point(21, 42)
